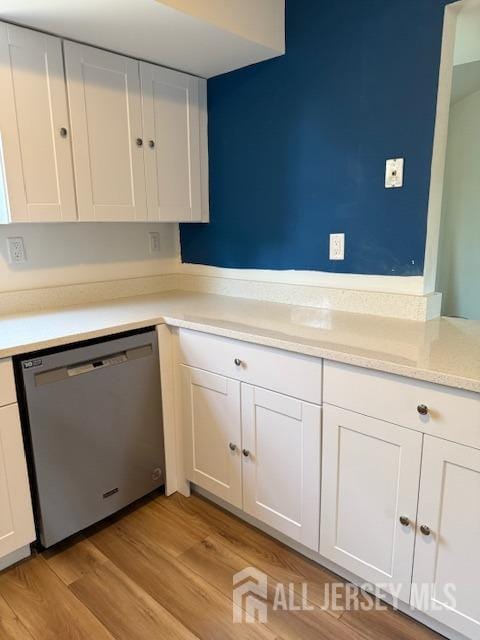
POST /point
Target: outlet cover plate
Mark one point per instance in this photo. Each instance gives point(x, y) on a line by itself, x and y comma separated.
point(16, 251)
point(337, 246)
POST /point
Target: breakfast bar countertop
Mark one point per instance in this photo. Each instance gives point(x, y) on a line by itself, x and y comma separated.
point(444, 351)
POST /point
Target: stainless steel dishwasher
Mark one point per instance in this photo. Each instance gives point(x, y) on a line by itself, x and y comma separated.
point(95, 428)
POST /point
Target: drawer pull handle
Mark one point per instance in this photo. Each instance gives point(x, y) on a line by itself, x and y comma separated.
point(425, 530)
point(238, 362)
point(405, 521)
point(232, 446)
point(246, 453)
point(139, 142)
point(63, 132)
point(422, 409)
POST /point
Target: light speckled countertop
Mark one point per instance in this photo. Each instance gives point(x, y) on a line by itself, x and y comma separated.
point(444, 351)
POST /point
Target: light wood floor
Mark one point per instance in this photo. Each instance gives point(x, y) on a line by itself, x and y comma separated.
point(164, 570)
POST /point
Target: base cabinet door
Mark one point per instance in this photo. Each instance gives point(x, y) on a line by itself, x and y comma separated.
point(34, 129)
point(370, 479)
point(16, 518)
point(447, 551)
point(281, 463)
point(211, 407)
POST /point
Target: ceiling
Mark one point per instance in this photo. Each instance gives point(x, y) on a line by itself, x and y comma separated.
point(156, 31)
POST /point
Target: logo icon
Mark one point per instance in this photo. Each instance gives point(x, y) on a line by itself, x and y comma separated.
point(250, 596)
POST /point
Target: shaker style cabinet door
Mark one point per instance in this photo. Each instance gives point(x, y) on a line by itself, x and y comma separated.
point(107, 136)
point(34, 129)
point(447, 551)
point(281, 463)
point(171, 118)
point(211, 407)
point(16, 517)
point(370, 479)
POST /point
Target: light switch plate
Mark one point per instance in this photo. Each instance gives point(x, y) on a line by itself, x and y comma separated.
point(337, 246)
point(394, 173)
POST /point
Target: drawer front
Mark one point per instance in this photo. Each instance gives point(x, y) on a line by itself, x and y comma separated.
point(289, 373)
point(8, 394)
point(453, 414)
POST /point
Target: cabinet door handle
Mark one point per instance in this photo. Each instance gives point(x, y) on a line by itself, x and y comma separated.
point(246, 453)
point(422, 409)
point(405, 521)
point(63, 132)
point(425, 530)
point(151, 144)
point(232, 446)
point(238, 362)
point(139, 142)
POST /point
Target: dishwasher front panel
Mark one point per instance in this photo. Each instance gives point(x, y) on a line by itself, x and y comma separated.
point(96, 430)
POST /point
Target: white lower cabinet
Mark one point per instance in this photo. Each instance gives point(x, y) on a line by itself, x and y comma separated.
point(370, 479)
point(211, 406)
point(447, 552)
point(281, 470)
point(274, 440)
point(16, 518)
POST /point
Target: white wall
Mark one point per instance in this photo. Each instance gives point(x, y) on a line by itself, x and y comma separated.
point(459, 257)
point(70, 253)
point(467, 45)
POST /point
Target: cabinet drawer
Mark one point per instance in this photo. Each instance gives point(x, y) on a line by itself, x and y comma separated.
point(289, 373)
point(7, 383)
point(453, 414)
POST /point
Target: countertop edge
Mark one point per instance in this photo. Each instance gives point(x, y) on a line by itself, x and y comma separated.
point(372, 363)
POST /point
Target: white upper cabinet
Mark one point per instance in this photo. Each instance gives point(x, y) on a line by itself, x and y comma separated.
point(370, 481)
point(38, 180)
point(107, 134)
point(171, 118)
point(447, 555)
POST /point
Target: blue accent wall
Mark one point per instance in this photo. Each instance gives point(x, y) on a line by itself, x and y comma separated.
point(298, 144)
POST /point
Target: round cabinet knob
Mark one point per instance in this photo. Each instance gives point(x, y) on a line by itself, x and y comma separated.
point(139, 142)
point(151, 144)
point(422, 409)
point(233, 447)
point(405, 521)
point(63, 132)
point(238, 362)
point(246, 453)
point(425, 530)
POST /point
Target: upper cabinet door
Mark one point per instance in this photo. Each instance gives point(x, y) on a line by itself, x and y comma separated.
point(370, 478)
point(105, 112)
point(171, 117)
point(447, 554)
point(34, 128)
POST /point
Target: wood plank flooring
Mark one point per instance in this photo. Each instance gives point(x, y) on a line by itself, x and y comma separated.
point(163, 569)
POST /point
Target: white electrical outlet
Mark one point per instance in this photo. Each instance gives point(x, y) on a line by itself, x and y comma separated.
point(394, 173)
point(154, 241)
point(16, 251)
point(337, 246)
